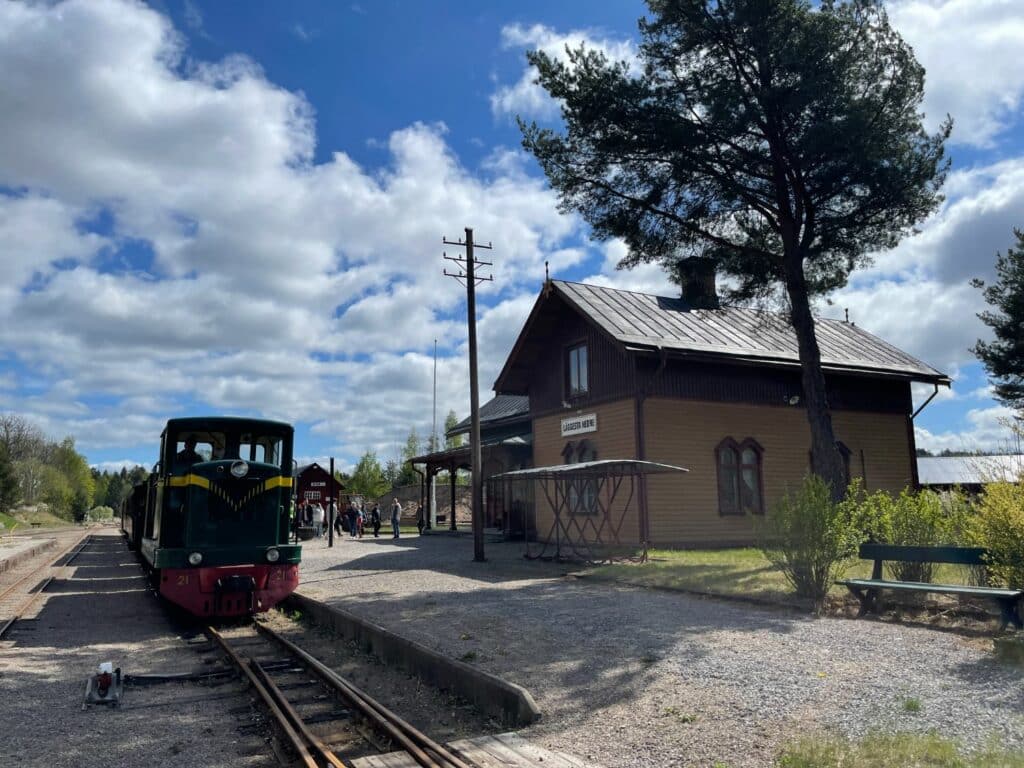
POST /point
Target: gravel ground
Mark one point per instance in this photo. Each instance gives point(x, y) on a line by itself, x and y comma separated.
point(102, 611)
point(634, 677)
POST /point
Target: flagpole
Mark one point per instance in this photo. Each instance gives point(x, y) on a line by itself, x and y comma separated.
point(432, 516)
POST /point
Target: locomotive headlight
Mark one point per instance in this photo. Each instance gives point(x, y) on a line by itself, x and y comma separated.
point(239, 469)
point(195, 558)
point(273, 555)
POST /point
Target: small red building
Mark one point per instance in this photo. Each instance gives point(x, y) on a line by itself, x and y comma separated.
point(314, 483)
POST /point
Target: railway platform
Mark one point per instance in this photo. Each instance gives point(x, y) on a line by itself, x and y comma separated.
point(504, 750)
point(86, 601)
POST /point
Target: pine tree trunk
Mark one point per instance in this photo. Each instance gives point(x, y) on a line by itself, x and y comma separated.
point(826, 461)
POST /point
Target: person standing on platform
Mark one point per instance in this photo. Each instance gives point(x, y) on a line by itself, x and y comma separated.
point(420, 521)
point(318, 520)
point(375, 520)
point(352, 514)
point(396, 517)
point(332, 516)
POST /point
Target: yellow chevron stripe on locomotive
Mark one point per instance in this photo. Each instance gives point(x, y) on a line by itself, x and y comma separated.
point(201, 482)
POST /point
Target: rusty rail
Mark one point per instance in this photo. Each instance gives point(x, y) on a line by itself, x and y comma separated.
point(42, 587)
point(424, 750)
point(282, 720)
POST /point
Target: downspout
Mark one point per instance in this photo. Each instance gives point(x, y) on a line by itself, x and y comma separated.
point(930, 398)
point(914, 478)
point(641, 447)
point(641, 395)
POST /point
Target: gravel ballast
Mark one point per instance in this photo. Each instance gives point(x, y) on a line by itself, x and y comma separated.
point(631, 677)
point(100, 609)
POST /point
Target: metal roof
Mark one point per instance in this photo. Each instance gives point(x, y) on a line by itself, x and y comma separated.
point(200, 423)
point(461, 451)
point(645, 320)
point(605, 466)
point(495, 409)
point(969, 470)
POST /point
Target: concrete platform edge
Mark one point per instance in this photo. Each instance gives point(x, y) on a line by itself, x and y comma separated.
point(26, 554)
point(508, 702)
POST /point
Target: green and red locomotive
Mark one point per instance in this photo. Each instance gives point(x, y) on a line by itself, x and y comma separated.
point(211, 522)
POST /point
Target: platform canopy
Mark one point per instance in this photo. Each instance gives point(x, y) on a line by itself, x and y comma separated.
point(584, 468)
point(583, 512)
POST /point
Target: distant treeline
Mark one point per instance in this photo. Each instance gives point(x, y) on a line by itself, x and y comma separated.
point(35, 470)
point(921, 452)
point(370, 478)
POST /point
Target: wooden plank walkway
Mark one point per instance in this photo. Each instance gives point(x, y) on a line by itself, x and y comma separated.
point(506, 750)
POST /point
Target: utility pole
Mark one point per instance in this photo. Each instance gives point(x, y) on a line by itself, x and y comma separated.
point(434, 448)
point(469, 264)
point(331, 504)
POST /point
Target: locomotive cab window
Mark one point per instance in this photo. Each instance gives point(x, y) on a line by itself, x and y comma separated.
point(195, 448)
point(261, 449)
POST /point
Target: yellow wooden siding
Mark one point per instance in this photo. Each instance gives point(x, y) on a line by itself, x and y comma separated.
point(684, 508)
point(686, 433)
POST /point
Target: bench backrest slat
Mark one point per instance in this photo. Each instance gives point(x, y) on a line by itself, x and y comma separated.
point(910, 554)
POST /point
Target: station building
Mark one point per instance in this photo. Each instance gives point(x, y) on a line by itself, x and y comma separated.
point(314, 483)
point(602, 373)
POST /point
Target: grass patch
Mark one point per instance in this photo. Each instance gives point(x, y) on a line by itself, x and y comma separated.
point(679, 715)
point(888, 750)
point(739, 572)
point(9, 523)
point(41, 515)
point(468, 656)
point(912, 705)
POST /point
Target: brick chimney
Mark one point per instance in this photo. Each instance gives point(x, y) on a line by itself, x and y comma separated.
point(697, 279)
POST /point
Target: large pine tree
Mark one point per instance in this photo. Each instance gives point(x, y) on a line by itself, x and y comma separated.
point(781, 138)
point(1004, 356)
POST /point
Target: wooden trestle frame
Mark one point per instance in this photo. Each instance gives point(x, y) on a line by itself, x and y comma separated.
point(576, 533)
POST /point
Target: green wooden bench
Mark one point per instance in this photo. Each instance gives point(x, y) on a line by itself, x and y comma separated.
point(866, 590)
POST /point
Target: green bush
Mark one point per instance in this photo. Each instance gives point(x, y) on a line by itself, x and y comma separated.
point(1000, 529)
point(810, 538)
point(101, 513)
point(922, 519)
point(918, 519)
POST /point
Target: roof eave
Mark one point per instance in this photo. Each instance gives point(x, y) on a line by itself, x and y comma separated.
point(777, 362)
point(460, 429)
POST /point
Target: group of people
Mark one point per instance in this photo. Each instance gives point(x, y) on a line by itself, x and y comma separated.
point(312, 515)
point(353, 521)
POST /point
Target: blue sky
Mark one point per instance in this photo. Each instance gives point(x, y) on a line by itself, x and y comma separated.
point(238, 208)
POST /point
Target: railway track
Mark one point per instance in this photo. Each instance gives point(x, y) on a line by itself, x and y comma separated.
point(327, 720)
point(19, 597)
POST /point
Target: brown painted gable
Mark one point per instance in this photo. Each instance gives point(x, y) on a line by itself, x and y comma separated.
point(536, 365)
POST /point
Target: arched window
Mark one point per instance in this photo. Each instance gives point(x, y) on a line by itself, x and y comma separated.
point(582, 490)
point(740, 484)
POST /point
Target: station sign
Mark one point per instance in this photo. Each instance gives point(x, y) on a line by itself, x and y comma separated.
point(578, 425)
